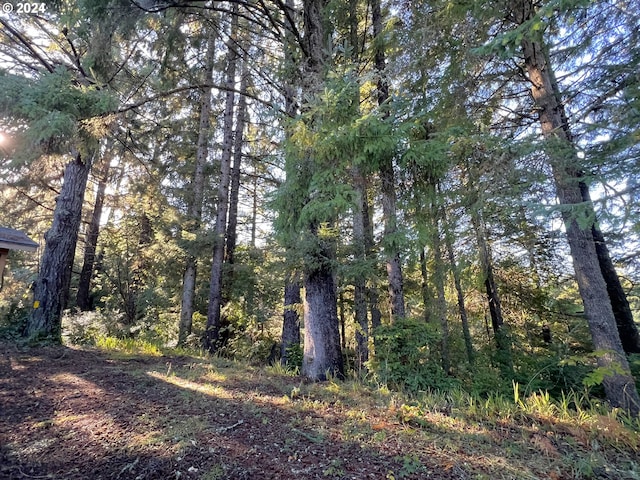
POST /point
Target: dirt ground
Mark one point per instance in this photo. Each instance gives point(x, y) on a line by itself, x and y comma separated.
point(69, 413)
point(76, 413)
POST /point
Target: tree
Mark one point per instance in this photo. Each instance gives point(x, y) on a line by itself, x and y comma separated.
point(387, 176)
point(462, 310)
point(306, 210)
point(618, 382)
point(83, 296)
point(51, 289)
point(194, 204)
point(214, 336)
point(291, 320)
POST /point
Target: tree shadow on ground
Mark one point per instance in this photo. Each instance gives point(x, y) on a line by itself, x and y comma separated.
point(71, 414)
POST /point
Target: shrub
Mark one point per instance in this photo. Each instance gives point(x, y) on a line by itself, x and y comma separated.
point(407, 357)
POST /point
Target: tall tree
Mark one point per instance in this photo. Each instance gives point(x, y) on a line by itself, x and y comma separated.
point(322, 353)
point(618, 383)
point(462, 310)
point(214, 336)
point(51, 289)
point(387, 176)
point(306, 211)
point(292, 288)
point(236, 170)
point(439, 277)
point(83, 296)
point(195, 199)
point(360, 307)
point(56, 98)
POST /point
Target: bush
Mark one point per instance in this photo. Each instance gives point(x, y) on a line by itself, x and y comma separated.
point(407, 357)
point(86, 328)
point(13, 320)
point(295, 355)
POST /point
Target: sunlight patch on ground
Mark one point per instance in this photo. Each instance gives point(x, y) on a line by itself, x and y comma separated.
point(213, 376)
point(75, 381)
point(72, 419)
point(206, 388)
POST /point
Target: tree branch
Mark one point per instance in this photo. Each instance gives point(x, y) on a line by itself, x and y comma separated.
point(27, 44)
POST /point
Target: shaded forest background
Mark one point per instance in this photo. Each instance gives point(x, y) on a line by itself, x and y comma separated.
point(430, 195)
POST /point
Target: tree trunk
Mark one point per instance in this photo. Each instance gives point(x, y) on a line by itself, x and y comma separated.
point(214, 337)
point(373, 297)
point(291, 320)
point(254, 209)
point(618, 382)
point(369, 244)
point(486, 264)
point(194, 206)
point(138, 276)
point(342, 317)
point(292, 297)
point(322, 351)
point(51, 289)
point(387, 178)
point(627, 328)
point(442, 301)
point(236, 170)
point(83, 298)
point(424, 286)
point(462, 310)
point(360, 283)
point(503, 344)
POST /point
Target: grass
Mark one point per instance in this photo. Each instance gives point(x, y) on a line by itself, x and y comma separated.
point(499, 436)
point(128, 346)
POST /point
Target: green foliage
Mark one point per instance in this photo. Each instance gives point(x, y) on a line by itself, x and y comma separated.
point(248, 342)
point(597, 374)
point(128, 345)
point(88, 328)
point(407, 357)
point(13, 320)
point(295, 354)
point(322, 146)
point(53, 105)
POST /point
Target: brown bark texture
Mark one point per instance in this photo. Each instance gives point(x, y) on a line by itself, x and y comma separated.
point(51, 289)
point(322, 352)
point(83, 297)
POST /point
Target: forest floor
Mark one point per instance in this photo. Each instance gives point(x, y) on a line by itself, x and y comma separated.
point(79, 413)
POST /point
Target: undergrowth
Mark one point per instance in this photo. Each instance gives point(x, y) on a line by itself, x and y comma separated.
point(574, 409)
point(429, 398)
